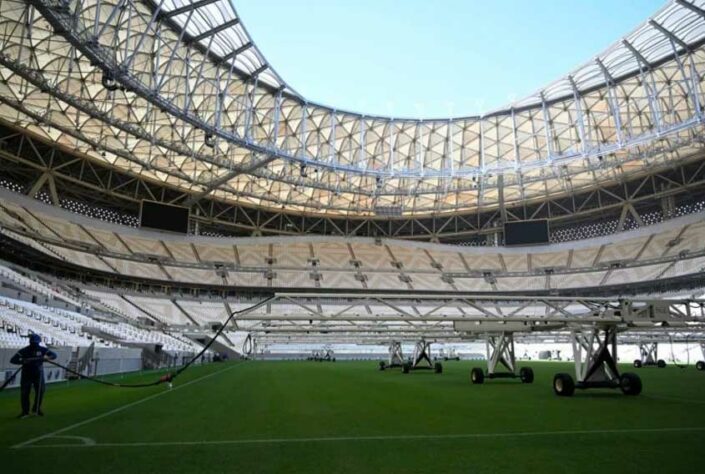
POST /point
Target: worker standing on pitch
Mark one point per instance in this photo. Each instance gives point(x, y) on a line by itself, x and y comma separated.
point(32, 358)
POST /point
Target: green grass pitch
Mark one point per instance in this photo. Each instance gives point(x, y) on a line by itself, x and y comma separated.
point(348, 417)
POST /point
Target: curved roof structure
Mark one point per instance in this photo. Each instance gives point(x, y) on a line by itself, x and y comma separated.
point(176, 91)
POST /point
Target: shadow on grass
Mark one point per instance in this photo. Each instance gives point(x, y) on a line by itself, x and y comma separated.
point(616, 394)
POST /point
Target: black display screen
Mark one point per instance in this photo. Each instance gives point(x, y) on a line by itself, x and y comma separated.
point(155, 215)
point(526, 232)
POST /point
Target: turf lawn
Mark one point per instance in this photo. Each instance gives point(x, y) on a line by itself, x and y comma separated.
point(311, 417)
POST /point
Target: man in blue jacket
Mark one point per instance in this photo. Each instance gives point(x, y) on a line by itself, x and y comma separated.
point(31, 358)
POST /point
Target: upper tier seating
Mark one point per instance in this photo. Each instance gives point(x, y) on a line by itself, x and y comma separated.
point(669, 249)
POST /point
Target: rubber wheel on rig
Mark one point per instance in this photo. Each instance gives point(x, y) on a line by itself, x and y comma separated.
point(438, 368)
point(563, 385)
point(405, 368)
point(526, 374)
point(477, 376)
point(630, 384)
point(637, 364)
point(661, 363)
point(700, 365)
point(382, 365)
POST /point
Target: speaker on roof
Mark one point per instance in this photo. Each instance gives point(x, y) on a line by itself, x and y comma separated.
point(526, 232)
point(159, 216)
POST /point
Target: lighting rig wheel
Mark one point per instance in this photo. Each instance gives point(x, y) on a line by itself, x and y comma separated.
point(477, 376)
point(563, 385)
point(637, 364)
point(382, 365)
point(630, 384)
point(526, 374)
point(700, 365)
point(405, 368)
point(438, 368)
point(661, 363)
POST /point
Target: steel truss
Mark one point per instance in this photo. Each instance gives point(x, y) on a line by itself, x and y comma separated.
point(325, 355)
point(595, 356)
point(396, 356)
point(38, 166)
point(694, 333)
point(648, 356)
point(500, 351)
point(421, 358)
point(500, 354)
point(462, 317)
point(422, 355)
point(231, 132)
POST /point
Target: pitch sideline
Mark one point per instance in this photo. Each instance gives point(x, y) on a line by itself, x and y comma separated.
point(29, 442)
point(369, 438)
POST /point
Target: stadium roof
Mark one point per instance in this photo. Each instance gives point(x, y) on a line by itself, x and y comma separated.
point(216, 25)
point(177, 91)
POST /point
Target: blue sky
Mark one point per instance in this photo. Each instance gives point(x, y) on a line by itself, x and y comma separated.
point(413, 58)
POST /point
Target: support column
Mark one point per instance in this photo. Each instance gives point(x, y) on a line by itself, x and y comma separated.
point(500, 351)
point(422, 355)
point(422, 360)
point(668, 203)
point(501, 355)
point(329, 355)
point(595, 356)
point(648, 356)
point(700, 365)
point(396, 357)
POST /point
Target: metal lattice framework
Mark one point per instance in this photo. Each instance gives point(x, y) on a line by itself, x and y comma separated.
point(177, 92)
point(454, 317)
point(66, 176)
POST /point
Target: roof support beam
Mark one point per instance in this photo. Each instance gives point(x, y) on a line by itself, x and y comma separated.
point(649, 86)
point(238, 51)
point(612, 98)
point(187, 8)
point(692, 83)
point(213, 185)
point(605, 72)
point(216, 30)
point(645, 66)
point(670, 35)
point(580, 116)
point(692, 7)
point(260, 70)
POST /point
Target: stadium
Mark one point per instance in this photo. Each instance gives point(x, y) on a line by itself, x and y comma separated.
point(235, 278)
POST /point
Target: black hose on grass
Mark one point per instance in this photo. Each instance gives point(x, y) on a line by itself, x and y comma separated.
point(9, 380)
point(162, 379)
point(220, 331)
point(168, 378)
